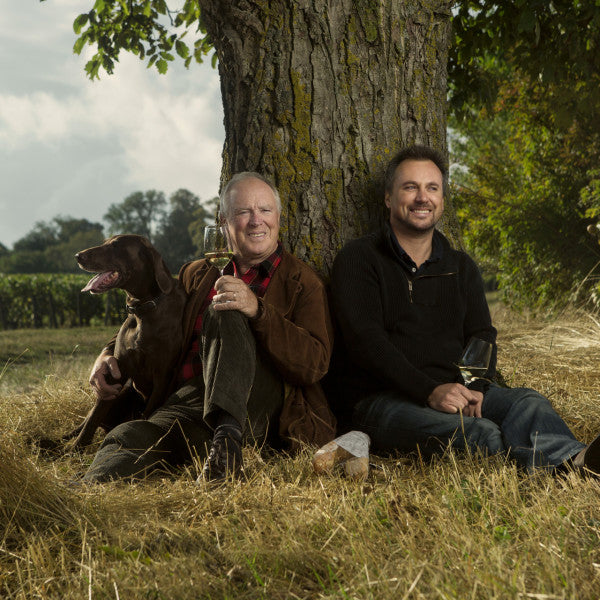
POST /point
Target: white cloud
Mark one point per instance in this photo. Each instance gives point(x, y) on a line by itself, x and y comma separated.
point(69, 144)
point(38, 117)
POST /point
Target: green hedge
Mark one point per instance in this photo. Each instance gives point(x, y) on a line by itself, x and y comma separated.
point(55, 300)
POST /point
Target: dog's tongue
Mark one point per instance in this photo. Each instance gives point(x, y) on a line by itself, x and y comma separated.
point(101, 282)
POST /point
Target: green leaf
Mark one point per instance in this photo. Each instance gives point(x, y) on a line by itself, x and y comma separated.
point(162, 66)
point(79, 23)
point(79, 44)
point(182, 49)
point(91, 68)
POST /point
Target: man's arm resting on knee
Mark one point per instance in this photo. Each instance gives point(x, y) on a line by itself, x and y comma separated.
point(455, 397)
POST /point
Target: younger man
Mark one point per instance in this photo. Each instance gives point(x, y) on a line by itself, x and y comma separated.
point(406, 305)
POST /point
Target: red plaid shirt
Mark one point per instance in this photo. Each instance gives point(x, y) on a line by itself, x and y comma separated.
point(257, 278)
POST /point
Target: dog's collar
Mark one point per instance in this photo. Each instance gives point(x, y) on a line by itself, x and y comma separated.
point(142, 307)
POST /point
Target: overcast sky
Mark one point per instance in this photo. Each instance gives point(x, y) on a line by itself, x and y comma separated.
point(71, 147)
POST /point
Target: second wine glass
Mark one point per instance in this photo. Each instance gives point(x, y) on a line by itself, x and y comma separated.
point(217, 249)
point(475, 359)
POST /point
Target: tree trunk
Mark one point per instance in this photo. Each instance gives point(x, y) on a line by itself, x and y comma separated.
point(319, 94)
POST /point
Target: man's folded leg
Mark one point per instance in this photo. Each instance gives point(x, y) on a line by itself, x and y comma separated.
point(243, 390)
point(394, 423)
point(535, 433)
point(171, 437)
point(131, 450)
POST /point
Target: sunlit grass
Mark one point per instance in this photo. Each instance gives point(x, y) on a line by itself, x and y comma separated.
point(29, 356)
point(460, 526)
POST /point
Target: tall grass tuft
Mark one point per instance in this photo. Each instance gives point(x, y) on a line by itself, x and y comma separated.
point(32, 498)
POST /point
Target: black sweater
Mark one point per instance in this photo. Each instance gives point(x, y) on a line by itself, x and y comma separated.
point(402, 331)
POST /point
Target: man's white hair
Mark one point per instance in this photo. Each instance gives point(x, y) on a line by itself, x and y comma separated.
point(225, 198)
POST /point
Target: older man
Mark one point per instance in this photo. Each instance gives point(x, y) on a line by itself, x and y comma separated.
point(407, 304)
point(257, 342)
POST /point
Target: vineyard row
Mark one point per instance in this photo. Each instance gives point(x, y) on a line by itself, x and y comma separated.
point(55, 300)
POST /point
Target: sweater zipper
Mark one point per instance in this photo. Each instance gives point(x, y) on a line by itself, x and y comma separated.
point(410, 281)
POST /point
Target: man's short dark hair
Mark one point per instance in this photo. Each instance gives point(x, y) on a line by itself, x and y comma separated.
point(416, 152)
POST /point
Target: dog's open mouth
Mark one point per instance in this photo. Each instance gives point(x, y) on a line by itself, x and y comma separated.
point(102, 282)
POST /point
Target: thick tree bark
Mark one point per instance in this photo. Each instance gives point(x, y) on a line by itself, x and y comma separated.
point(319, 94)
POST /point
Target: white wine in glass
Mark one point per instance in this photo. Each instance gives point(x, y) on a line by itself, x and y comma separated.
point(217, 249)
point(475, 360)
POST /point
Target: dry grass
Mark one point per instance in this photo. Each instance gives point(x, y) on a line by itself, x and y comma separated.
point(460, 527)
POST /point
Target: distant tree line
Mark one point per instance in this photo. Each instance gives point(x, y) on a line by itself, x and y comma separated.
point(175, 228)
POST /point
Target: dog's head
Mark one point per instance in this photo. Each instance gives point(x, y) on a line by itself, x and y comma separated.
point(122, 261)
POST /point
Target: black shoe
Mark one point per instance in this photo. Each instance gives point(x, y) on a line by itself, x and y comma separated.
point(589, 458)
point(225, 455)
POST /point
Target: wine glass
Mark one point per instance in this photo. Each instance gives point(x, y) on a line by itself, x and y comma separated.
point(475, 359)
point(217, 249)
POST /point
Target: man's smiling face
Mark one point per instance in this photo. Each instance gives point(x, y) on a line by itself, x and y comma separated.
point(416, 201)
point(253, 221)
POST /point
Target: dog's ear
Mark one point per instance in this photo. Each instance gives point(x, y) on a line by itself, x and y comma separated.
point(165, 280)
point(162, 275)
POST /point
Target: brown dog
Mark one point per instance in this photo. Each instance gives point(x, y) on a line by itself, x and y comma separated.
point(148, 345)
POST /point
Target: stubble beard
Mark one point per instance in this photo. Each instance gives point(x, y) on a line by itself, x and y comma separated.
point(417, 228)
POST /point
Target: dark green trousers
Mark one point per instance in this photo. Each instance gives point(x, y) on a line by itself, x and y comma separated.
point(237, 377)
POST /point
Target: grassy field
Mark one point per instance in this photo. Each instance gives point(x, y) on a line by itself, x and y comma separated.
point(462, 526)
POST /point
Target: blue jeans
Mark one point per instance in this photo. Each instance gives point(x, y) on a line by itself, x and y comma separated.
point(515, 421)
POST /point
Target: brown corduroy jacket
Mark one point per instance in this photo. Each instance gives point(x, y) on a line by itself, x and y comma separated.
point(294, 328)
